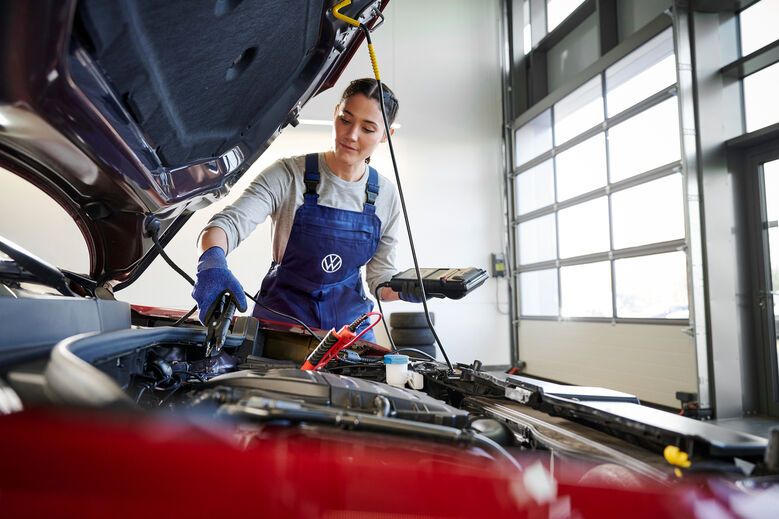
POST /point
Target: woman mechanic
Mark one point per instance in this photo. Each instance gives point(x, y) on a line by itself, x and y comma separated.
point(332, 213)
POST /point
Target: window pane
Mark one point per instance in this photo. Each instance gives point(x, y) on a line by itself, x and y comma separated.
point(632, 15)
point(758, 25)
point(527, 43)
point(771, 186)
point(578, 111)
point(574, 53)
point(646, 141)
point(760, 98)
point(535, 188)
point(558, 10)
point(773, 251)
point(652, 286)
point(584, 228)
point(538, 21)
point(537, 240)
point(539, 292)
point(771, 179)
point(582, 168)
point(649, 213)
point(534, 138)
point(645, 71)
point(586, 290)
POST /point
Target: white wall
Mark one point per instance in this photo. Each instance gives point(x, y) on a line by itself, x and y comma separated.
point(29, 218)
point(650, 361)
point(441, 57)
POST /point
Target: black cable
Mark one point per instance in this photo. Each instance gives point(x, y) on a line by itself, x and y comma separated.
point(156, 240)
point(386, 326)
point(110, 275)
point(161, 250)
point(282, 314)
point(417, 351)
point(185, 316)
point(405, 212)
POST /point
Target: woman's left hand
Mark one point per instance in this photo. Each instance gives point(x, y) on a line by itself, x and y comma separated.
point(387, 294)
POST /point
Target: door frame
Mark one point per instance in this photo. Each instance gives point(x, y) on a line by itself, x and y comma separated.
point(766, 365)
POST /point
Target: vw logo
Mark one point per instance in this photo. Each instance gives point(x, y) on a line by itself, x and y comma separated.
point(331, 263)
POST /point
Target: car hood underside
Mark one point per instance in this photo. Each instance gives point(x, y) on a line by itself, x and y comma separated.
point(128, 113)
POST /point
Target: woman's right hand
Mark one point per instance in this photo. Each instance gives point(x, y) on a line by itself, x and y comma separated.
point(214, 279)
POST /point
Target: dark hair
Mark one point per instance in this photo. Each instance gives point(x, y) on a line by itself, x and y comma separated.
point(369, 87)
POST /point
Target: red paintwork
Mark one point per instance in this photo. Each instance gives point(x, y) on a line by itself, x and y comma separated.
point(156, 311)
point(66, 463)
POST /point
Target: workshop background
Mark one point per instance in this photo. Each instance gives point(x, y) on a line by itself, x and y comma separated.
point(623, 154)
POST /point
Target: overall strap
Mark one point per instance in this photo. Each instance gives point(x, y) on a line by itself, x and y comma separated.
point(371, 191)
point(311, 178)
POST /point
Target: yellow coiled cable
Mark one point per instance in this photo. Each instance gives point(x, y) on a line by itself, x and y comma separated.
point(374, 63)
point(355, 23)
point(343, 17)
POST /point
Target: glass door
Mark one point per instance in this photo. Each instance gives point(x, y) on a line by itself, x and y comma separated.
point(768, 268)
point(769, 302)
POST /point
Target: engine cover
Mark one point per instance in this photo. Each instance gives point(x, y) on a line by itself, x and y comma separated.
point(343, 392)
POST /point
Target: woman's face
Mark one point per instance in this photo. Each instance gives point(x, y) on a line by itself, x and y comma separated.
point(358, 129)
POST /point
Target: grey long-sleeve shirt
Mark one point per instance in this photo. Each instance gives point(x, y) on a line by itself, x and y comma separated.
point(278, 192)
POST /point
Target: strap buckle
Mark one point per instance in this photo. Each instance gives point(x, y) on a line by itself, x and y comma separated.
point(311, 186)
point(311, 176)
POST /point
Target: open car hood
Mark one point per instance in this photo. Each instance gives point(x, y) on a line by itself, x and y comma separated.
point(127, 112)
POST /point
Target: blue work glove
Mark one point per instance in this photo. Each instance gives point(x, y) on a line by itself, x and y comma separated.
point(214, 279)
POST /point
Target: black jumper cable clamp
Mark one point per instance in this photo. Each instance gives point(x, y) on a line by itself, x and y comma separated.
point(219, 320)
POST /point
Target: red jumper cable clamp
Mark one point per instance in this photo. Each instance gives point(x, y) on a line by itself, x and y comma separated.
point(337, 341)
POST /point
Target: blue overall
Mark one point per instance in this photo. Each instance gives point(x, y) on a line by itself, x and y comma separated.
point(318, 280)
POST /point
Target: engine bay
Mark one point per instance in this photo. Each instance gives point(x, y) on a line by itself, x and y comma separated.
point(256, 381)
point(106, 354)
point(131, 363)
